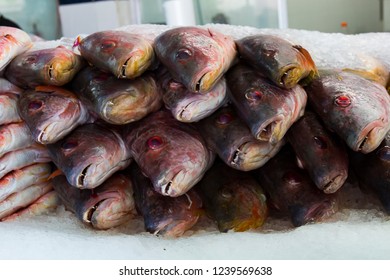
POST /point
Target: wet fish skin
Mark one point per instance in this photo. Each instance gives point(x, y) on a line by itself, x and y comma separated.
point(13, 42)
point(24, 157)
point(14, 136)
point(23, 198)
point(53, 66)
point(268, 110)
point(233, 198)
point(45, 204)
point(373, 171)
point(353, 107)
point(187, 106)
point(51, 113)
point(195, 57)
point(292, 192)
point(227, 135)
point(18, 180)
point(123, 54)
point(118, 101)
point(164, 216)
point(9, 108)
point(179, 150)
point(109, 205)
point(284, 63)
point(321, 154)
point(89, 155)
point(8, 87)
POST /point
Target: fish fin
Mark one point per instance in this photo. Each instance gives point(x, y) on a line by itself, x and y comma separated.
point(56, 173)
point(309, 62)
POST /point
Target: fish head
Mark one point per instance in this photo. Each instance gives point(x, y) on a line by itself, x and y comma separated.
point(240, 206)
point(193, 57)
point(125, 55)
point(89, 155)
point(50, 112)
point(110, 204)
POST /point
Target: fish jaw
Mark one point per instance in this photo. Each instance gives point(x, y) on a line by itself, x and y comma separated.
point(290, 75)
point(174, 184)
point(62, 69)
point(135, 64)
point(333, 184)
point(371, 136)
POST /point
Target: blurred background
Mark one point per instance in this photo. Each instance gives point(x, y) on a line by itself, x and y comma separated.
point(52, 19)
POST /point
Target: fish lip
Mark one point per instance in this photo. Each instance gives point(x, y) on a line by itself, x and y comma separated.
point(363, 144)
point(199, 82)
point(288, 71)
point(166, 188)
point(51, 72)
point(82, 175)
point(199, 85)
point(236, 159)
point(334, 184)
point(88, 215)
point(123, 68)
point(266, 132)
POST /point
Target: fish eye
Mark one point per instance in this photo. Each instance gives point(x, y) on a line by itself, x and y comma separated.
point(292, 178)
point(342, 101)
point(253, 95)
point(384, 153)
point(321, 142)
point(8, 36)
point(35, 105)
point(107, 45)
point(269, 52)
point(155, 142)
point(226, 194)
point(183, 54)
point(224, 118)
point(68, 145)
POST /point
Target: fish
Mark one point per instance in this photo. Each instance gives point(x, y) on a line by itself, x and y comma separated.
point(268, 110)
point(233, 199)
point(109, 205)
point(14, 136)
point(163, 215)
point(18, 159)
point(52, 66)
point(319, 152)
point(291, 191)
point(173, 155)
point(23, 198)
point(284, 63)
point(227, 135)
point(45, 204)
point(89, 155)
point(373, 171)
point(196, 57)
point(187, 106)
point(351, 106)
point(51, 113)
point(8, 87)
point(118, 101)
point(19, 179)
point(9, 108)
point(13, 41)
point(123, 54)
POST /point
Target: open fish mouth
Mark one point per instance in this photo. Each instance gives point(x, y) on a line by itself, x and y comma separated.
point(373, 138)
point(89, 215)
point(206, 82)
point(169, 188)
point(81, 178)
point(123, 71)
point(271, 131)
point(50, 72)
point(334, 184)
point(237, 158)
point(291, 76)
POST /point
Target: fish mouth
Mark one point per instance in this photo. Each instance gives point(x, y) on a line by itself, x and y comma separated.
point(185, 114)
point(291, 76)
point(376, 132)
point(50, 72)
point(206, 81)
point(237, 158)
point(271, 131)
point(46, 134)
point(170, 188)
point(88, 215)
point(119, 110)
point(301, 215)
point(334, 184)
point(82, 175)
point(134, 65)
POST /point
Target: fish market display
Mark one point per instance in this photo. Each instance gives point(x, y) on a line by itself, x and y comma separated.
point(13, 42)
point(124, 55)
point(51, 113)
point(117, 101)
point(54, 66)
point(171, 154)
point(187, 106)
point(268, 110)
point(373, 171)
point(195, 57)
point(319, 152)
point(109, 205)
point(355, 108)
point(291, 191)
point(8, 108)
point(279, 60)
point(290, 118)
point(164, 215)
point(89, 155)
point(227, 135)
point(13, 137)
point(233, 199)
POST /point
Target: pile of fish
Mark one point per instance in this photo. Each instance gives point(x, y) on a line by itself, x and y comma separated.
point(191, 122)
